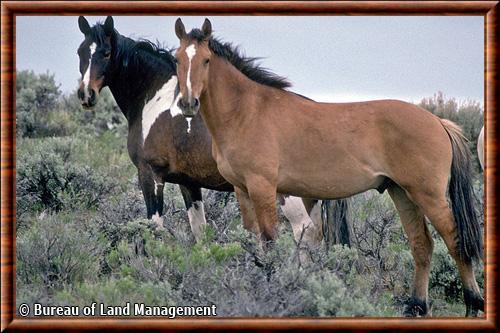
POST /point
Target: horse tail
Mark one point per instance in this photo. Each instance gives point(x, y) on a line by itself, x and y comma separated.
point(336, 228)
point(462, 195)
point(480, 148)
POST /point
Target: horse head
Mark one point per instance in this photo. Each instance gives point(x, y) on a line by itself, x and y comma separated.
point(193, 60)
point(95, 53)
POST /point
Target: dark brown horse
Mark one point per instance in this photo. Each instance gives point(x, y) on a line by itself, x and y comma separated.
point(161, 143)
point(268, 140)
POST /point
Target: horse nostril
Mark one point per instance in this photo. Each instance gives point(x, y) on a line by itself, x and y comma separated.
point(81, 94)
point(92, 96)
point(181, 104)
point(196, 103)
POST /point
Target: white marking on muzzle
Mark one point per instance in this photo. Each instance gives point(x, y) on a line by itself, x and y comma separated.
point(196, 215)
point(86, 76)
point(190, 52)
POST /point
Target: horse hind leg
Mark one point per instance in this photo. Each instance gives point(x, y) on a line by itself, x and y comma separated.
point(421, 245)
point(437, 209)
point(304, 216)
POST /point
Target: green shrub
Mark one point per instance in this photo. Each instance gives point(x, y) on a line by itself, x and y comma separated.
point(115, 292)
point(445, 279)
point(468, 114)
point(330, 297)
point(36, 98)
point(55, 251)
point(343, 260)
point(47, 181)
point(42, 111)
point(160, 258)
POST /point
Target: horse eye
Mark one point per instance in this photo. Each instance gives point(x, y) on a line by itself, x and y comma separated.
point(206, 61)
point(107, 54)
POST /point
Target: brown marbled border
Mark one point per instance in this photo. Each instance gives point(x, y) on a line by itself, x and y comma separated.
point(10, 9)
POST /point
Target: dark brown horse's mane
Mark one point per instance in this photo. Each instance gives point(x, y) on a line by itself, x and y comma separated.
point(246, 65)
point(127, 49)
point(150, 48)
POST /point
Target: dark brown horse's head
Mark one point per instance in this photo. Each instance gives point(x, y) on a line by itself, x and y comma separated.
point(193, 60)
point(95, 54)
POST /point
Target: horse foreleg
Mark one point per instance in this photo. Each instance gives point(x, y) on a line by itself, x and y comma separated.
point(195, 209)
point(152, 192)
point(421, 245)
point(262, 194)
point(247, 211)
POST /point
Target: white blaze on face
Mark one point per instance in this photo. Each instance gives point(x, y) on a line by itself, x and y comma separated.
point(196, 215)
point(190, 52)
point(86, 76)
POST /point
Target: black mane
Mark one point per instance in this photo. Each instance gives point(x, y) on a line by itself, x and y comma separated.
point(155, 51)
point(126, 49)
point(246, 65)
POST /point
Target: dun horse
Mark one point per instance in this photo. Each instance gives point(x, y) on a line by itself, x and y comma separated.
point(267, 140)
point(161, 143)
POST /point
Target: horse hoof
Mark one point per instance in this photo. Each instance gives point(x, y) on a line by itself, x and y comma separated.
point(473, 303)
point(417, 308)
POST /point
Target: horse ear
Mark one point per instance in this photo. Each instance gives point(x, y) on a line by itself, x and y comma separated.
point(207, 28)
point(84, 26)
point(109, 26)
point(180, 31)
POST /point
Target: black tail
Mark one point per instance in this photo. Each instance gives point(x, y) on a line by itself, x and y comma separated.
point(462, 195)
point(336, 228)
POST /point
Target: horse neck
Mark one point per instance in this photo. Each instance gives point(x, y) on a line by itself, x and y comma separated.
point(135, 82)
point(220, 106)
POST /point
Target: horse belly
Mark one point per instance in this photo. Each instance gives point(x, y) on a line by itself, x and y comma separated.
point(328, 184)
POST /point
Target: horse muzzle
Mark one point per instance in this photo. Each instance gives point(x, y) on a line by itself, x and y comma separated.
point(189, 107)
point(89, 99)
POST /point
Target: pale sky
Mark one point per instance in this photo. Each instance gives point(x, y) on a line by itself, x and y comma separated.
point(327, 58)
